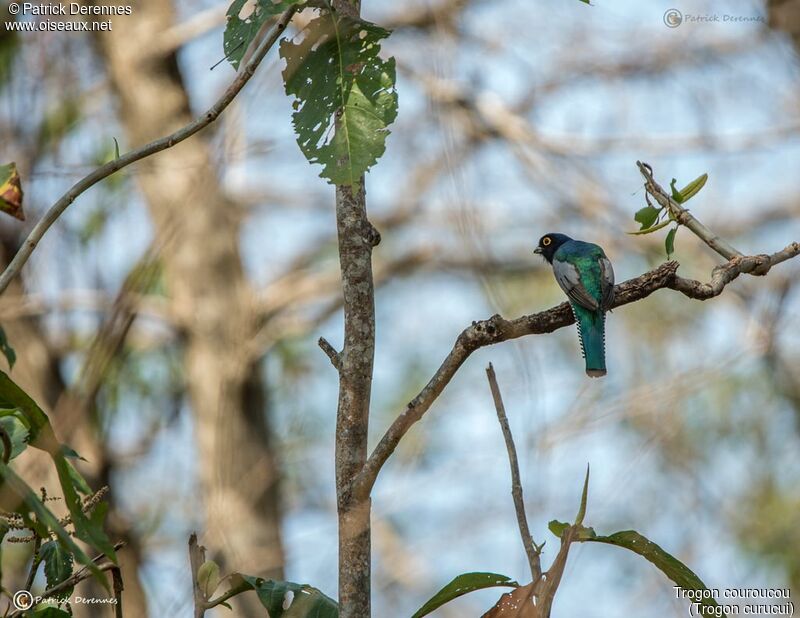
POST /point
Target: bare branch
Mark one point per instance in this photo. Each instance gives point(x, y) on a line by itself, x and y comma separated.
point(548, 584)
point(722, 275)
point(684, 217)
point(116, 577)
point(331, 352)
point(532, 550)
point(57, 209)
point(197, 556)
point(35, 561)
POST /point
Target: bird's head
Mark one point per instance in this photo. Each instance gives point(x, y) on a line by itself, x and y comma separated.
point(549, 244)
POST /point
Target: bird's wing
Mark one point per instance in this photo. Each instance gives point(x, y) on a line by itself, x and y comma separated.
point(606, 283)
point(569, 279)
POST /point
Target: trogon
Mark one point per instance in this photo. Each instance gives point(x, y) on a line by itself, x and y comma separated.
point(585, 274)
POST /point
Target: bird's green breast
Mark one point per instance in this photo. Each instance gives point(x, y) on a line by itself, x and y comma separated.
point(585, 257)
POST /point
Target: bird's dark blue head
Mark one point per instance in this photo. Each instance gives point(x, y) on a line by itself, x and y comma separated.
point(549, 244)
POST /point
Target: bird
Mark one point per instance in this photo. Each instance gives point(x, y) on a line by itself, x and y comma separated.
point(585, 274)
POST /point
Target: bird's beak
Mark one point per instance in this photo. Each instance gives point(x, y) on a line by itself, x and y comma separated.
point(538, 250)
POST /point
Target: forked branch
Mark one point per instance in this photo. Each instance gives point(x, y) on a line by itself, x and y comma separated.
point(498, 329)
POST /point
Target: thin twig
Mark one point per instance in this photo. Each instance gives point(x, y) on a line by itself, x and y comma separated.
point(684, 217)
point(57, 209)
point(331, 352)
point(532, 550)
point(238, 589)
point(197, 556)
point(35, 562)
point(116, 577)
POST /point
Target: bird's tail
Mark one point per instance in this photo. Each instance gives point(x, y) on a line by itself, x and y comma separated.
point(592, 335)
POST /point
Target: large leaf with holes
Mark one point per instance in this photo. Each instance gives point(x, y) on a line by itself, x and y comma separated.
point(245, 20)
point(344, 94)
point(57, 562)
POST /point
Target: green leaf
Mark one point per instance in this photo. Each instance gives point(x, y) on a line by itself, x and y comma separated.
point(693, 188)
point(12, 397)
point(674, 569)
point(344, 95)
point(57, 562)
point(11, 191)
point(461, 585)
point(78, 482)
point(6, 349)
point(557, 527)
point(582, 533)
point(647, 216)
point(584, 497)
point(45, 610)
point(245, 18)
point(116, 148)
point(655, 228)
point(303, 602)
point(676, 195)
point(46, 519)
point(16, 432)
point(669, 242)
point(42, 437)
point(208, 577)
point(9, 48)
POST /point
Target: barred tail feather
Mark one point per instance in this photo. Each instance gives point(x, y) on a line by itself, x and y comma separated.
point(592, 337)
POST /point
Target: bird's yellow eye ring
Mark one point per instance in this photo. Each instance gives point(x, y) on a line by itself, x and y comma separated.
point(546, 241)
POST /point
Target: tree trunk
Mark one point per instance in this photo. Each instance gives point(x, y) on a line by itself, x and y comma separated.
point(356, 237)
point(210, 294)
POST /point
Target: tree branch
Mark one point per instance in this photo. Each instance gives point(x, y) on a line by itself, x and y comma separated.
point(331, 352)
point(197, 556)
point(116, 576)
point(57, 209)
point(74, 579)
point(532, 550)
point(497, 329)
point(684, 217)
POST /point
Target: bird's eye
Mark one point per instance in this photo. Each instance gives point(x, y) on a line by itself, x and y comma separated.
point(546, 241)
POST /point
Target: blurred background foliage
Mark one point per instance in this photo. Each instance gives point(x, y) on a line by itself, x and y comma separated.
point(197, 390)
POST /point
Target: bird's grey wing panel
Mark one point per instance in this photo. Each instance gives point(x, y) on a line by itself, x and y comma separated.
point(606, 283)
point(569, 279)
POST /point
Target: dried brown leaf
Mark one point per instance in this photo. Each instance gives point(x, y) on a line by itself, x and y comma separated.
point(515, 604)
point(11, 191)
